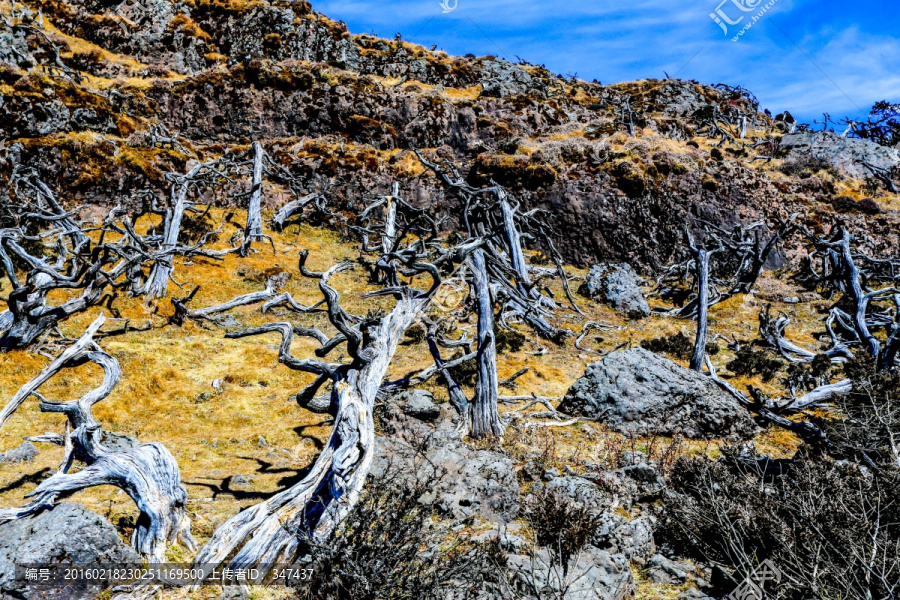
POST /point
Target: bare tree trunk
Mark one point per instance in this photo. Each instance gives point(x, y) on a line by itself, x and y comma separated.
point(157, 284)
point(272, 531)
point(702, 258)
point(514, 246)
point(253, 232)
point(485, 414)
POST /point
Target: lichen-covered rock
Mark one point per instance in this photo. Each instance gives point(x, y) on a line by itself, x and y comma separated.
point(577, 489)
point(617, 286)
point(469, 481)
point(67, 534)
point(596, 575)
point(641, 393)
point(618, 535)
point(845, 155)
point(419, 404)
point(24, 452)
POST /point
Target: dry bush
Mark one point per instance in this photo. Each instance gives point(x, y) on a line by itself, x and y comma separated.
point(677, 345)
point(390, 547)
point(749, 361)
point(832, 529)
point(561, 525)
point(870, 433)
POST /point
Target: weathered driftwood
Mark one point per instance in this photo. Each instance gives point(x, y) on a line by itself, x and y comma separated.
point(148, 473)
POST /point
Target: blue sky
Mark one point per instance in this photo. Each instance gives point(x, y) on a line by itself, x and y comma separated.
point(805, 56)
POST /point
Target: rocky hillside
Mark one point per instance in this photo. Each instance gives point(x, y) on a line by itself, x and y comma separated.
point(84, 83)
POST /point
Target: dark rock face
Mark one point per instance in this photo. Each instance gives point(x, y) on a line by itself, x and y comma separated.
point(69, 533)
point(844, 155)
point(471, 482)
point(638, 392)
point(617, 286)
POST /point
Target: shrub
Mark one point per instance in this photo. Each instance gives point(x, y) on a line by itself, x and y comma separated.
point(677, 345)
point(389, 547)
point(847, 204)
point(560, 524)
point(508, 340)
point(749, 361)
point(415, 334)
point(833, 530)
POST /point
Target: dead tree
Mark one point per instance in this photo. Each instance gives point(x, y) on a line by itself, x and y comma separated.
point(295, 207)
point(92, 270)
point(701, 259)
point(772, 331)
point(274, 530)
point(148, 473)
point(840, 272)
point(489, 216)
point(253, 231)
point(741, 258)
point(485, 416)
point(209, 173)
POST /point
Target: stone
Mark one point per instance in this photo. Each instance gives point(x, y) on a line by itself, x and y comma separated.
point(66, 534)
point(844, 155)
point(637, 392)
point(419, 404)
point(500, 79)
point(640, 482)
point(633, 539)
point(576, 488)
point(470, 481)
point(617, 286)
point(24, 452)
point(596, 575)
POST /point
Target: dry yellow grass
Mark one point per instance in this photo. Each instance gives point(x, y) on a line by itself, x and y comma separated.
point(166, 394)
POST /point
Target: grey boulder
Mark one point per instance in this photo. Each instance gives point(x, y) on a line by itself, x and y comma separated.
point(24, 452)
point(67, 534)
point(468, 481)
point(844, 155)
point(638, 392)
point(595, 575)
point(577, 489)
point(633, 539)
point(618, 287)
point(419, 404)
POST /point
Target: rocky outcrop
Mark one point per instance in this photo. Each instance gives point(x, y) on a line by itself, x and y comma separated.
point(843, 154)
point(641, 393)
point(67, 534)
point(418, 404)
point(596, 575)
point(468, 481)
point(618, 287)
